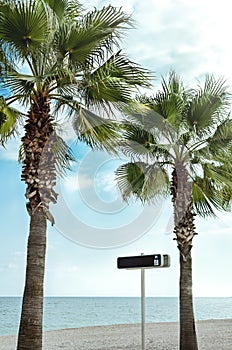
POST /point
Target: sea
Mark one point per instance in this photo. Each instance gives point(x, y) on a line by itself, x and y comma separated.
point(75, 312)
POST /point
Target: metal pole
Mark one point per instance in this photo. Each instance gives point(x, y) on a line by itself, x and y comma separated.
point(143, 307)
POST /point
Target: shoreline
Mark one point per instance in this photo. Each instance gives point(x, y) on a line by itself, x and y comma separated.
point(212, 335)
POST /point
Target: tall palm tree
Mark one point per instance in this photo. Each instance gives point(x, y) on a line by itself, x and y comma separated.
point(180, 144)
point(65, 60)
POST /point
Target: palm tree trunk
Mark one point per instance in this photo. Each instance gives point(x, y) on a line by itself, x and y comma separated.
point(188, 339)
point(181, 191)
point(40, 177)
point(30, 330)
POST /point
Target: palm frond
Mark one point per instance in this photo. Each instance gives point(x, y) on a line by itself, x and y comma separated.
point(60, 80)
point(207, 105)
point(64, 156)
point(221, 175)
point(226, 195)
point(65, 9)
point(170, 101)
point(202, 205)
point(20, 85)
point(8, 121)
point(6, 60)
point(130, 178)
point(58, 7)
point(137, 141)
point(86, 41)
point(75, 44)
point(73, 10)
point(222, 138)
point(143, 115)
point(109, 20)
point(114, 81)
point(145, 182)
point(207, 196)
point(24, 25)
point(22, 153)
point(96, 132)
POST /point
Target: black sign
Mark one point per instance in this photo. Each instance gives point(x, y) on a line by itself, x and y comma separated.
point(146, 261)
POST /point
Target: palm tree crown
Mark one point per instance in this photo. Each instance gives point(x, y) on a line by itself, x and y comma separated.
point(69, 61)
point(178, 126)
point(68, 55)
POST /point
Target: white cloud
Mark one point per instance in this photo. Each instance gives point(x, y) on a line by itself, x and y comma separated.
point(105, 181)
point(190, 37)
point(76, 182)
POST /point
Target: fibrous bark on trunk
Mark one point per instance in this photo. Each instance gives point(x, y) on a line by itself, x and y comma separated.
point(184, 230)
point(39, 171)
point(39, 174)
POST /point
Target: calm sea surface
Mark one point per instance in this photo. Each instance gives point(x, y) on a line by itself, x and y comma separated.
point(73, 312)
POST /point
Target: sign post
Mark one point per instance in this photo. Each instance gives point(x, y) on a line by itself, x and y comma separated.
point(143, 262)
point(143, 307)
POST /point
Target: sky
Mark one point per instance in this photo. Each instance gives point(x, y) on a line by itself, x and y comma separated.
point(93, 225)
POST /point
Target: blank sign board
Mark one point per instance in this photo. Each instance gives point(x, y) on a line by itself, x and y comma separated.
point(143, 261)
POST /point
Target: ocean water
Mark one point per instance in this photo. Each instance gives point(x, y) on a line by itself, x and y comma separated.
point(74, 312)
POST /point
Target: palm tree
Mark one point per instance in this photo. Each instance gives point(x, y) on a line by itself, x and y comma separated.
point(180, 144)
point(65, 60)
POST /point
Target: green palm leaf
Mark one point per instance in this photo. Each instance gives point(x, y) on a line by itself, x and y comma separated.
point(222, 138)
point(145, 182)
point(65, 9)
point(76, 43)
point(130, 178)
point(20, 85)
point(86, 40)
point(59, 7)
point(109, 20)
point(97, 132)
point(220, 174)
point(63, 155)
point(8, 121)
point(171, 100)
point(206, 104)
point(140, 142)
point(114, 81)
point(24, 25)
point(206, 197)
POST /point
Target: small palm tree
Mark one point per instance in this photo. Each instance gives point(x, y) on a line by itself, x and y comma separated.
point(64, 61)
point(180, 142)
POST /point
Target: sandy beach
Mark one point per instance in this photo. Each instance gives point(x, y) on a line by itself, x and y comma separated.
point(212, 335)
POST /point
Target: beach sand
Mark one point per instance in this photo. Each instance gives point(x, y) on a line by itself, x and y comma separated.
point(212, 335)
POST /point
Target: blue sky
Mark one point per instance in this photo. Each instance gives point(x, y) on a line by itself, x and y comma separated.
point(193, 38)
